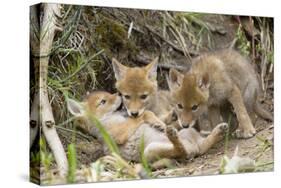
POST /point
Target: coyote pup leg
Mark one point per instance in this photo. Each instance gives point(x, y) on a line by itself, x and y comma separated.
point(156, 150)
point(245, 127)
point(172, 149)
point(172, 134)
point(172, 128)
point(168, 149)
point(215, 136)
point(151, 119)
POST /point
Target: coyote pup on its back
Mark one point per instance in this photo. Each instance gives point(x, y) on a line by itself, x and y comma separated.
point(138, 87)
point(214, 81)
point(106, 107)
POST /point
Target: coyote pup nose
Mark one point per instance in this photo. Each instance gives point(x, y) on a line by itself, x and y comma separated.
point(134, 114)
point(185, 125)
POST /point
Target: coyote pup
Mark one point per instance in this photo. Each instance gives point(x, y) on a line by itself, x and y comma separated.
point(214, 81)
point(138, 87)
point(106, 107)
point(129, 131)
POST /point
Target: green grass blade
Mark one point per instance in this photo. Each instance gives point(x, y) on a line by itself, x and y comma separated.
point(144, 161)
point(71, 155)
point(227, 136)
point(106, 137)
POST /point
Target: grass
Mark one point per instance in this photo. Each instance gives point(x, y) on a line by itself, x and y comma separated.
point(227, 136)
point(144, 161)
point(46, 160)
point(106, 137)
point(46, 157)
point(226, 144)
point(264, 146)
point(72, 163)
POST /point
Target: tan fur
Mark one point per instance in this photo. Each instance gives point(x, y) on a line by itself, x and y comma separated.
point(215, 79)
point(138, 81)
point(120, 132)
point(128, 132)
point(103, 106)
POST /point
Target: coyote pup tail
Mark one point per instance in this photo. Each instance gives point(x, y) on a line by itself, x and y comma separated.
point(260, 111)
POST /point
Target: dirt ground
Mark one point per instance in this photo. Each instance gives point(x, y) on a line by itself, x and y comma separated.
point(209, 163)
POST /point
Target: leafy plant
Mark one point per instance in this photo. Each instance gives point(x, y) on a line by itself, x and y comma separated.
point(46, 157)
point(242, 42)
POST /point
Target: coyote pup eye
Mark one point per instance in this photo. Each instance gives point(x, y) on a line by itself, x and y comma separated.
point(143, 97)
point(127, 97)
point(194, 108)
point(102, 102)
point(180, 106)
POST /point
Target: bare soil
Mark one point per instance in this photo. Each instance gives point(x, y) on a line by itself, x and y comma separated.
point(209, 163)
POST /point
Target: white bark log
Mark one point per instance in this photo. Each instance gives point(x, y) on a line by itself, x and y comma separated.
point(34, 120)
point(34, 45)
point(50, 133)
point(49, 26)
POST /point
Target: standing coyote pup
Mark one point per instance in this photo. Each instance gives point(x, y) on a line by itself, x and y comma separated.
point(129, 131)
point(214, 81)
point(138, 87)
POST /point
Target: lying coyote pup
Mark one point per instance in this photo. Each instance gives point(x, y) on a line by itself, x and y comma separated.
point(171, 144)
point(215, 81)
point(138, 87)
point(105, 107)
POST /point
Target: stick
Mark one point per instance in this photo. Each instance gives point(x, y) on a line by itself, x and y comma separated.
point(145, 61)
point(72, 131)
point(192, 53)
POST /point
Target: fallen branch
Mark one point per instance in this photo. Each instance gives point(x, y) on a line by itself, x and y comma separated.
point(145, 61)
point(191, 53)
point(75, 132)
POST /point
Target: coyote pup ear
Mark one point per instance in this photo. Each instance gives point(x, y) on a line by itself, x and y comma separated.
point(152, 69)
point(75, 108)
point(175, 79)
point(204, 81)
point(118, 69)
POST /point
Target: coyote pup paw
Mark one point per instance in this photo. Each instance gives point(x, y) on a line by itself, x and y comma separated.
point(171, 132)
point(221, 129)
point(240, 133)
point(153, 121)
point(159, 126)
